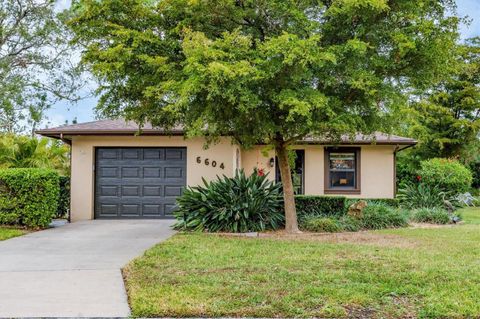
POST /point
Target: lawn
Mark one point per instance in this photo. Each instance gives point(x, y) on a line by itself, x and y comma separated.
point(6, 233)
point(430, 273)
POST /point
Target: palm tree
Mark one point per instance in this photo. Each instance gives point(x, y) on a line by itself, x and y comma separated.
point(18, 151)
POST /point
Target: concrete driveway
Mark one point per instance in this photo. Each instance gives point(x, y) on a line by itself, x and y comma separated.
point(73, 270)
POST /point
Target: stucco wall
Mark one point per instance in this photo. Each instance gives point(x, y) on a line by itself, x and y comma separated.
point(258, 157)
point(377, 169)
point(377, 165)
point(83, 154)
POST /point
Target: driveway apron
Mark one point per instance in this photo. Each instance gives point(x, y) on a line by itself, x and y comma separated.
point(73, 270)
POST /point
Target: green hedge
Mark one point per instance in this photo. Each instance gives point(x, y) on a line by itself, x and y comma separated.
point(393, 202)
point(28, 196)
point(64, 197)
point(449, 175)
point(308, 205)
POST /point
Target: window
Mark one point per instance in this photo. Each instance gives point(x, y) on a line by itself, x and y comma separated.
point(342, 170)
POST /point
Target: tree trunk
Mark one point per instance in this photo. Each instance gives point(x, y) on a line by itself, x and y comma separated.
point(291, 224)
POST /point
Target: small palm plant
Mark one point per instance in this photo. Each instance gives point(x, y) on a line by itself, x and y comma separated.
point(27, 152)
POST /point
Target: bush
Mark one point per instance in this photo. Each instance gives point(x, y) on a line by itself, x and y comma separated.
point(321, 224)
point(320, 206)
point(392, 202)
point(350, 224)
point(475, 169)
point(64, 197)
point(238, 204)
point(431, 215)
point(421, 195)
point(383, 216)
point(448, 175)
point(28, 196)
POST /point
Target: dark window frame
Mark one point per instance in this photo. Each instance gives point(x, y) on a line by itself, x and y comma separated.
point(358, 179)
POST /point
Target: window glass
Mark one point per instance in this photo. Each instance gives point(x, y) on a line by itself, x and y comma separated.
point(342, 170)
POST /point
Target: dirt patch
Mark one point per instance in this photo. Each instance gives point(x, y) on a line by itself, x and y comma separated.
point(425, 225)
point(361, 237)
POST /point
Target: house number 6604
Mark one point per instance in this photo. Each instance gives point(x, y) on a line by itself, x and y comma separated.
point(207, 162)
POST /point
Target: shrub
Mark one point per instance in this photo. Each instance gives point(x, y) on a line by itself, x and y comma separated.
point(28, 196)
point(421, 195)
point(64, 197)
point(448, 175)
point(382, 216)
point(238, 204)
point(321, 224)
point(475, 169)
point(392, 202)
point(350, 224)
point(320, 205)
point(431, 215)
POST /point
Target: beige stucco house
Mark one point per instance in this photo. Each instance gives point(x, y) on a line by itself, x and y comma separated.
point(118, 172)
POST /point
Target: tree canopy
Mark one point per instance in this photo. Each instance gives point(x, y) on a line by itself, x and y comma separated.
point(36, 67)
point(270, 71)
point(447, 120)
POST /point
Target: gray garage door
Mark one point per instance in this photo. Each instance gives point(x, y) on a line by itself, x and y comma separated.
point(138, 182)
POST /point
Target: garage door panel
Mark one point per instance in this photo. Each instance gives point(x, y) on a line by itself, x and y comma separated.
point(174, 154)
point(154, 154)
point(108, 154)
point(132, 154)
point(131, 190)
point(173, 191)
point(138, 182)
point(109, 209)
point(106, 190)
point(152, 190)
point(173, 172)
point(111, 172)
point(152, 172)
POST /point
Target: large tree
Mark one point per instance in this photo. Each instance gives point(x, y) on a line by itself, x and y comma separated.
point(446, 120)
point(36, 62)
point(269, 71)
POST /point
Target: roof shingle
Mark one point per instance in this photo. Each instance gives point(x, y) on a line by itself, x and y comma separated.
point(122, 127)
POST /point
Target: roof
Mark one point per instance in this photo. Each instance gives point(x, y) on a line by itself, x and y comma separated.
point(122, 127)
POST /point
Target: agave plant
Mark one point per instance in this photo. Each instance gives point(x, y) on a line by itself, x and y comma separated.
point(239, 204)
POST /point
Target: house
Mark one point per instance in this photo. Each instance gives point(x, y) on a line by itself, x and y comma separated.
point(119, 172)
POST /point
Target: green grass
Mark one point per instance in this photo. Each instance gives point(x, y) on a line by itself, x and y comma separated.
point(428, 273)
point(6, 233)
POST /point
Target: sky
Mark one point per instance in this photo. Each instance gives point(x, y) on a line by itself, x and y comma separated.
point(83, 111)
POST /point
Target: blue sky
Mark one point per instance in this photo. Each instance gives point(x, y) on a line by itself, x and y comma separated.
point(83, 110)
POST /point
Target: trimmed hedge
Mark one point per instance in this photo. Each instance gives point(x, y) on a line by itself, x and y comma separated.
point(28, 196)
point(326, 206)
point(308, 205)
point(392, 202)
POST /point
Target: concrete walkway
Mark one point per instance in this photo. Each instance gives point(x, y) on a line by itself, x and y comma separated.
point(73, 270)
